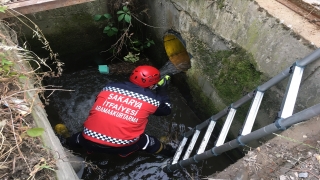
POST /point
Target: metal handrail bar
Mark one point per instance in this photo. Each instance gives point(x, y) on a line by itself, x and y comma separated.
point(273, 81)
point(280, 124)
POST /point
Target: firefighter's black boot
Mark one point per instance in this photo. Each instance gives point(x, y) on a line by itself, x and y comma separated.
point(167, 150)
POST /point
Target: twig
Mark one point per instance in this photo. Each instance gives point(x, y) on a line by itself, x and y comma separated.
point(37, 32)
point(11, 141)
point(3, 175)
point(148, 24)
point(9, 151)
point(14, 134)
point(211, 2)
point(14, 164)
point(120, 40)
point(2, 137)
point(185, 171)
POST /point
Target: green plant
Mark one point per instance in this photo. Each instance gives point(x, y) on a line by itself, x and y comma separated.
point(19, 141)
point(139, 46)
point(109, 29)
point(220, 4)
point(3, 8)
point(124, 15)
point(5, 69)
point(132, 57)
point(133, 45)
point(35, 132)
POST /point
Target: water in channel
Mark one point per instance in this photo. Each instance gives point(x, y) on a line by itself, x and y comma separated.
point(72, 108)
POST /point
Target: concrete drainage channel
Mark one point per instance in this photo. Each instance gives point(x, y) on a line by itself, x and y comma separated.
point(65, 168)
point(69, 166)
point(178, 56)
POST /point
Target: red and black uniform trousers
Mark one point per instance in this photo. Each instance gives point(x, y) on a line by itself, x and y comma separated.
point(147, 143)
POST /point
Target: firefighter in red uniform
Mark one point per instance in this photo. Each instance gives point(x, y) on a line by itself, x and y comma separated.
point(118, 118)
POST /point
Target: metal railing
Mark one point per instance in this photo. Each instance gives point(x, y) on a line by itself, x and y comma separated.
point(283, 122)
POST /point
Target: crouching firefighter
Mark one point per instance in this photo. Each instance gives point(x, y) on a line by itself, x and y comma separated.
point(118, 118)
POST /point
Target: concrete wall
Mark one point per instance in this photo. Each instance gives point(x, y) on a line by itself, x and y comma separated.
point(213, 27)
point(212, 30)
point(223, 36)
point(71, 32)
point(75, 36)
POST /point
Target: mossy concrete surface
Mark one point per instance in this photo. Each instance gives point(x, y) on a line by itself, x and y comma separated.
point(236, 46)
point(220, 78)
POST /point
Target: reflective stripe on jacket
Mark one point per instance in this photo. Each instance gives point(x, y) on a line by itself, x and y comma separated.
point(120, 114)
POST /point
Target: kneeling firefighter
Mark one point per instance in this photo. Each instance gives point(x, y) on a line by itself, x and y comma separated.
point(118, 118)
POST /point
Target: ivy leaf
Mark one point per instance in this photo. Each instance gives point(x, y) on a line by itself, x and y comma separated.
point(108, 16)
point(121, 12)
point(12, 73)
point(120, 17)
point(127, 18)
point(110, 33)
point(106, 29)
point(98, 17)
point(136, 49)
point(34, 132)
point(6, 67)
point(135, 42)
point(4, 61)
point(125, 9)
point(3, 8)
point(114, 29)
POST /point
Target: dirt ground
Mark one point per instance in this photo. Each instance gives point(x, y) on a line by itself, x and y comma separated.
point(22, 151)
point(301, 21)
point(21, 156)
point(295, 153)
point(291, 155)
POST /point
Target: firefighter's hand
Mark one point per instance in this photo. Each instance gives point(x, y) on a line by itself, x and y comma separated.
point(162, 85)
point(164, 82)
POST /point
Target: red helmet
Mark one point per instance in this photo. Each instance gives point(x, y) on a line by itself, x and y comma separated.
point(145, 76)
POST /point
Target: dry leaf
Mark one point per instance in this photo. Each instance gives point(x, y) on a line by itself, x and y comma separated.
point(3, 123)
point(4, 167)
point(318, 157)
